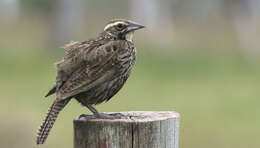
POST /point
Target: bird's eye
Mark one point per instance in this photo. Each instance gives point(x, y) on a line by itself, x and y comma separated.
point(120, 26)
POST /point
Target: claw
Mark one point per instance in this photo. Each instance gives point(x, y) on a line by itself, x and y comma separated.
point(110, 116)
point(84, 116)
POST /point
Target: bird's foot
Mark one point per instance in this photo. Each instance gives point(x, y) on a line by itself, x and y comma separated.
point(110, 116)
point(85, 116)
point(104, 116)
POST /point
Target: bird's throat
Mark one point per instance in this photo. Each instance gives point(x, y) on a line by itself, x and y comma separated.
point(129, 36)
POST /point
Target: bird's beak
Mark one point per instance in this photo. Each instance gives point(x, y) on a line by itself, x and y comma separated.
point(134, 26)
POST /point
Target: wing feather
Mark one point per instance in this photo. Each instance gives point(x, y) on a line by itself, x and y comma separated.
point(97, 67)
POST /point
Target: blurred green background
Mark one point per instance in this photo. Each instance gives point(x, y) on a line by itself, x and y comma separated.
point(199, 58)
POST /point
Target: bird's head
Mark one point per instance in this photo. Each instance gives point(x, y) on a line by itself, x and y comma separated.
point(122, 29)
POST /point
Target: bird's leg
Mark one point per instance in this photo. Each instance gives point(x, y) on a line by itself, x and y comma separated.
point(98, 114)
point(103, 115)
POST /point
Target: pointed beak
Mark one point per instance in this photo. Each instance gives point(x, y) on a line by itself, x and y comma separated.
point(134, 26)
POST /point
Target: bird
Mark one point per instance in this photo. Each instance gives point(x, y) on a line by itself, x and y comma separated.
point(92, 71)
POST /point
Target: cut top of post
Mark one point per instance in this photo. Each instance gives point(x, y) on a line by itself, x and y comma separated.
point(134, 116)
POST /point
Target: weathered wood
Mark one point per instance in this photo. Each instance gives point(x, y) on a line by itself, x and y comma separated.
point(133, 130)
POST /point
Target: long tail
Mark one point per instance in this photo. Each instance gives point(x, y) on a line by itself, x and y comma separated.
point(49, 120)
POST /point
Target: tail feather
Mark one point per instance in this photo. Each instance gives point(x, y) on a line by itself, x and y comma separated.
point(52, 91)
point(49, 120)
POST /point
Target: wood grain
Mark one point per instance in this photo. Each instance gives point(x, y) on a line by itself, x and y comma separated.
point(137, 129)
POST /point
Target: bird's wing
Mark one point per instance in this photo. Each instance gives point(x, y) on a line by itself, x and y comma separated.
point(75, 56)
point(71, 61)
point(97, 67)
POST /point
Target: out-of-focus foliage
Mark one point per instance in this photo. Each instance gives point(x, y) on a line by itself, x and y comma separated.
point(42, 6)
point(198, 58)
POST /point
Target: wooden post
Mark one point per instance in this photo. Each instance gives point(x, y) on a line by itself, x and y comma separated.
point(136, 130)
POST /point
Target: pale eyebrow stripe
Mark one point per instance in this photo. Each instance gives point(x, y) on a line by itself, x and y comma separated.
point(113, 24)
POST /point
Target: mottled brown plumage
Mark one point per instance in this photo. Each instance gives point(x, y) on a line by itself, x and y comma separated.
point(92, 71)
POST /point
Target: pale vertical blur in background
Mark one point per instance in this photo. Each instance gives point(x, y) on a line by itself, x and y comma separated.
point(199, 58)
